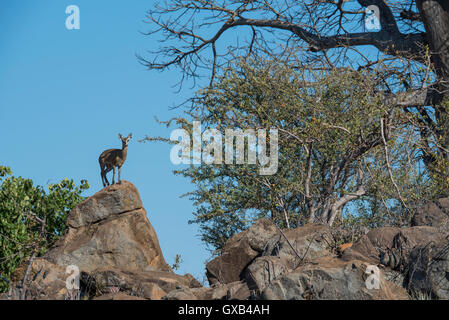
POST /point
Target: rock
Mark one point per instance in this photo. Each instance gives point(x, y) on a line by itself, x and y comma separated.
point(239, 251)
point(47, 282)
point(146, 284)
point(367, 247)
point(115, 248)
point(394, 276)
point(263, 271)
point(237, 290)
point(193, 283)
point(227, 267)
point(334, 279)
point(154, 292)
point(408, 238)
point(117, 251)
point(185, 294)
point(259, 233)
point(108, 202)
point(434, 214)
point(428, 271)
point(310, 241)
point(390, 246)
point(123, 239)
point(117, 296)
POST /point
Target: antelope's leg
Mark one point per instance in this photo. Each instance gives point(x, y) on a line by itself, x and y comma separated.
point(103, 174)
point(102, 178)
point(119, 170)
point(105, 177)
point(113, 174)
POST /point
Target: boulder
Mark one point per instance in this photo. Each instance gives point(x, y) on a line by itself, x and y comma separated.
point(428, 271)
point(237, 290)
point(330, 278)
point(47, 281)
point(186, 294)
point(112, 201)
point(239, 251)
point(110, 229)
point(391, 246)
point(193, 283)
point(434, 214)
point(117, 252)
point(394, 276)
point(117, 296)
point(145, 284)
point(310, 241)
point(409, 238)
point(115, 248)
point(263, 271)
point(367, 248)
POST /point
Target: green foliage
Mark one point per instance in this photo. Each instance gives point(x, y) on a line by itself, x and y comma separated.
point(20, 203)
point(177, 263)
point(335, 116)
point(439, 168)
point(345, 158)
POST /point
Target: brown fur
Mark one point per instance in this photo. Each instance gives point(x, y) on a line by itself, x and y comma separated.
point(112, 158)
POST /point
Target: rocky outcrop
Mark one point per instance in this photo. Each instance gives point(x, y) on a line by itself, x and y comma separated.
point(110, 229)
point(146, 284)
point(428, 271)
point(299, 245)
point(367, 248)
point(263, 271)
point(263, 239)
point(434, 214)
point(237, 290)
point(300, 264)
point(239, 251)
point(115, 248)
point(391, 246)
point(331, 278)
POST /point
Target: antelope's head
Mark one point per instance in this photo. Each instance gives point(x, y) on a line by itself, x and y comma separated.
point(125, 141)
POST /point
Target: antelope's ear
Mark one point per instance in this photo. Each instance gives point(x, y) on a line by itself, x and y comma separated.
point(130, 135)
point(120, 136)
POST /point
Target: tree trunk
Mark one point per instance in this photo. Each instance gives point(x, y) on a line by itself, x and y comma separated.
point(435, 16)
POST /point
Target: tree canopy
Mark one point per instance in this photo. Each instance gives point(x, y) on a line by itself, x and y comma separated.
point(412, 38)
point(337, 146)
point(362, 111)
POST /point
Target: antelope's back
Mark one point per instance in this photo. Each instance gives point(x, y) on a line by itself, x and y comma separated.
point(108, 155)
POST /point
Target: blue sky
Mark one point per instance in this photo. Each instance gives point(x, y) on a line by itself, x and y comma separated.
point(66, 94)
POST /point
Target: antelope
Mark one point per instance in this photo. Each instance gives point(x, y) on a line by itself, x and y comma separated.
point(111, 158)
